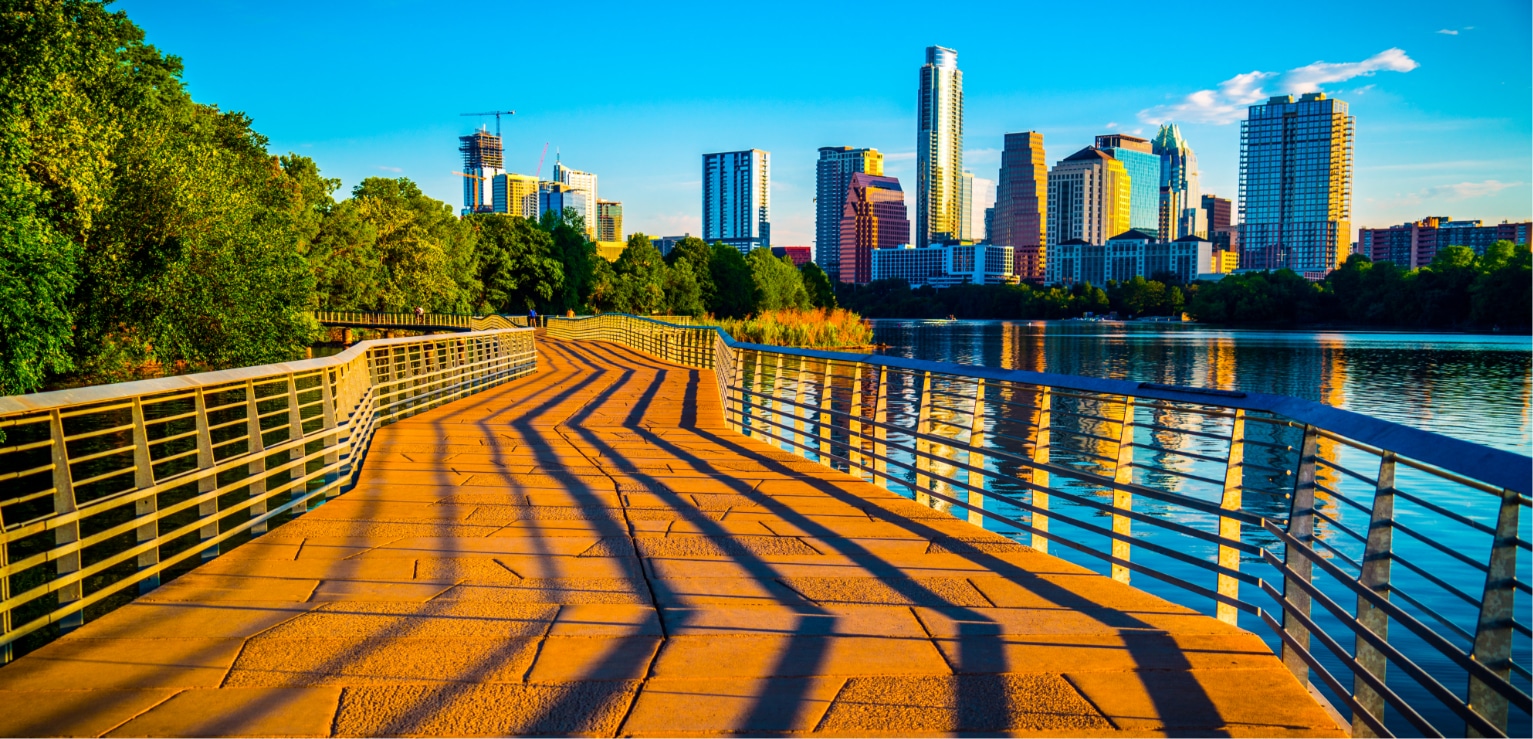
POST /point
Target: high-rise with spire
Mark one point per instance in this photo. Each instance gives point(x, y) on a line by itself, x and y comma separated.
point(1181, 204)
point(939, 148)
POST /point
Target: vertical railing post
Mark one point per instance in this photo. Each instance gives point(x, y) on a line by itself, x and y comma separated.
point(1229, 527)
point(63, 504)
point(206, 483)
point(1301, 526)
point(1377, 554)
point(146, 508)
point(331, 440)
point(1493, 631)
point(1123, 500)
point(295, 454)
point(6, 653)
point(736, 388)
point(923, 447)
point(774, 406)
point(976, 458)
point(752, 406)
point(800, 439)
point(1040, 476)
point(256, 447)
point(823, 429)
point(854, 428)
point(880, 433)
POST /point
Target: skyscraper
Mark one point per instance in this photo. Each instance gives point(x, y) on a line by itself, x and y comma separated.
point(609, 220)
point(483, 159)
point(966, 206)
point(1296, 184)
point(1021, 199)
point(832, 176)
point(556, 197)
point(1089, 198)
point(872, 217)
point(1143, 169)
point(737, 199)
point(515, 194)
point(939, 147)
point(1180, 209)
point(582, 181)
point(1216, 214)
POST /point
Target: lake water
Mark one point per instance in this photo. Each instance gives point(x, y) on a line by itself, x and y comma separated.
point(1472, 387)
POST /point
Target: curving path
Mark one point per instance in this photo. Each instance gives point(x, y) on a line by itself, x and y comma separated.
point(590, 551)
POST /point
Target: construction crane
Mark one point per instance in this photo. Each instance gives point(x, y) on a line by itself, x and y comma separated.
point(496, 113)
point(479, 189)
point(541, 157)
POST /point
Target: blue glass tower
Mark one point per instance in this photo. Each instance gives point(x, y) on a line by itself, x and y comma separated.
point(1143, 167)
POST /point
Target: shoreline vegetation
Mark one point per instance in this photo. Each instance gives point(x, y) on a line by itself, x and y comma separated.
point(1458, 291)
point(820, 328)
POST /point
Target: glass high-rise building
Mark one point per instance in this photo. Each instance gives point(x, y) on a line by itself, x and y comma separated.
point(609, 220)
point(1021, 203)
point(1181, 206)
point(939, 148)
point(578, 180)
point(737, 199)
point(832, 177)
point(1296, 184)
point(1143, 168)
point(515, 194)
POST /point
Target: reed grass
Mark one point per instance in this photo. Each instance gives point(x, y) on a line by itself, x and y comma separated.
point(808, 329)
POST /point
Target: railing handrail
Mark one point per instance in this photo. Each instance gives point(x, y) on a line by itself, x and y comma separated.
point(1496, 467)
point(92, 394)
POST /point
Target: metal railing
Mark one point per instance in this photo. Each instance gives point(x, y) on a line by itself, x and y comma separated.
point(110, 487)
point(428, 321)
point(1383, 559)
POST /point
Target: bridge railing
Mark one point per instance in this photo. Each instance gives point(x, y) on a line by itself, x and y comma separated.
point(428, 321)
point(1388, 563)
point(103, 490)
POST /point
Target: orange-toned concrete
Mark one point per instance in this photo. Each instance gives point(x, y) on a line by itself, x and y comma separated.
point(590, 551)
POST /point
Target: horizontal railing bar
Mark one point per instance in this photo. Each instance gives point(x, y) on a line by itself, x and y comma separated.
point(1444, 512)
point(1176, 473)
point(1424, 539)
point(1424, 608)
point(1339, 526)
point(1341, 497)
point(1345, 471)
point(1180, 453)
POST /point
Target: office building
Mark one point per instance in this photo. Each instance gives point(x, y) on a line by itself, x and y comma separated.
point(1088, 198)
point(1143, 168)
point(833, 175)
point(1296, 184)
point(582, 181)
point(1216, 216)
point(939, 148)
point(873, 217)
point(666, 243)
point(737, 199)
point(945, 265)
point(483, 160)
point(966, 206)
point(610, 250)
point(609, 220)
point(1180, 208)
point(1413, 245)
point(989, 223)
point(800, 255)
point(1021, 200)
point(557, 197)
point(515, 194)
point(1127, 255)
point(1224, 261)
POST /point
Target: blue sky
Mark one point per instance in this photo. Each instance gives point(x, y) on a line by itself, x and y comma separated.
point(635, 93)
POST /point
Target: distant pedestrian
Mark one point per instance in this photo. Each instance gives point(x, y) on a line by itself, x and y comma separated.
point(420, 314)
point(532, 317)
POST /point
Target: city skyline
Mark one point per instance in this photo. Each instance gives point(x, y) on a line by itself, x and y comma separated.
point(1422, 151)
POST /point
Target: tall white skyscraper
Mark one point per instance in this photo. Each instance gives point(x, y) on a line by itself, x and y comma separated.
point(939, 148)
point(577, 180)
point(737, 199)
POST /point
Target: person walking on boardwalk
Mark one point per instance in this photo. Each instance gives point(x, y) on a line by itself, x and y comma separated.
point(420, 314)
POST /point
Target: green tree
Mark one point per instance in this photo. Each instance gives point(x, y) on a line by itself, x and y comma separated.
point(778, 283)
point(587, 277)
point(37, 275)
point(817, 284)
point(699, 256)
point(514, 262)
point(734, 293)
point(640, 272)
point(426, 251)
point(683, 294)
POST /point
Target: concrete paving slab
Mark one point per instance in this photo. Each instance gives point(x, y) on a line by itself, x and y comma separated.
point(119, 664)
point(194, 587)
point(712, 706)
point(595, 590)
point(952, 623)
point(578, 658)
point(1123, 653)
point(73, 712)
point(1029, 702)
point(176, 620)
point(892, 591)
point(607, 620)
point(239, 712)
point(723, 591)
point(584, 708)
point(796, 656)
point(784, 620)
point(276, 663)
point(1204, 699)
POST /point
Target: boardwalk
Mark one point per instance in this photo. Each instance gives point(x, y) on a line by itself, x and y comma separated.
point(590, 551)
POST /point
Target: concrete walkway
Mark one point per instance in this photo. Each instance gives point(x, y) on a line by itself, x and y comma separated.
point(590, 551)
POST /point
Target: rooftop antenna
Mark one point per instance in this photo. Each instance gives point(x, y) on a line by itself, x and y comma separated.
point(496, 113)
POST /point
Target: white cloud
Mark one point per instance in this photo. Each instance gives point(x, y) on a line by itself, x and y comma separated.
point(1229, 101)
point(395, 170)
point(1448, 32)
point(1467, 190)
point(1110, 126)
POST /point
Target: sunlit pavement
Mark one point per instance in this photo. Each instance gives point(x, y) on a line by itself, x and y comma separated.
point(591, 551)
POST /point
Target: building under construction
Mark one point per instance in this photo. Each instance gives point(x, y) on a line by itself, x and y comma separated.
point(483, 159)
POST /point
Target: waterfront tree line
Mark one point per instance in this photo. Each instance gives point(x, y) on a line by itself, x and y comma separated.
point(142, 232)
point(1458, 290)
